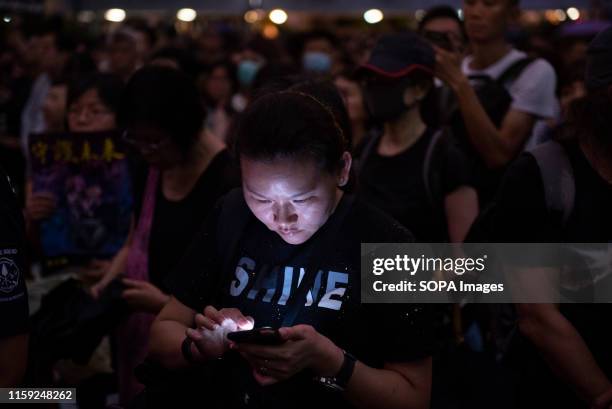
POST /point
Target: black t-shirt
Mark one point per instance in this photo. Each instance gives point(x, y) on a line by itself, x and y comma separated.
point(264, 271)
point(13, 293)
point(175, 223)
point(396, 185)
point(519, 214)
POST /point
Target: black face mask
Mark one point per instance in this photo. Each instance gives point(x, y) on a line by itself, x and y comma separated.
point(385, 102)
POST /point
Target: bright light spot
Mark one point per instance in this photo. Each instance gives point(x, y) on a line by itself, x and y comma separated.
point(278, 16)
point(251, 16)
point(373, 16)
point(551, 17)
point(573, 13)
point(561, 16)
point(419, 14)
point(186, 15)
point(115, 15)
point(460, 13)
point(270, 32)
point(7, 19)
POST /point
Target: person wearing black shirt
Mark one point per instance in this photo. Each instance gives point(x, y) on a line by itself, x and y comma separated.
point(291, 223)
point(413, 171)
point(187, 170)
point(568, 344)
point(13, 293)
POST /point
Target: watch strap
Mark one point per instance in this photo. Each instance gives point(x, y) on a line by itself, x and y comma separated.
point(346, 370)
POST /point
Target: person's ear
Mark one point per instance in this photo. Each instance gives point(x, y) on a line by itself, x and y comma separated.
point(343, 175)
point(416, 93)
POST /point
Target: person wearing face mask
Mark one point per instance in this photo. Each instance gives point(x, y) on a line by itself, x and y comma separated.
point(243, 269)
point(320, 54)
point(412, 170)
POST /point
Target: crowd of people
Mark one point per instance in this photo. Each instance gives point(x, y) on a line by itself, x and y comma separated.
point(255, 169)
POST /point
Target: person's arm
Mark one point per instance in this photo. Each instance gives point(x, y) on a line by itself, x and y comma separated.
point(117, 265)
point(497, 147)
point(563, 348)
point(397, 385)
point(461, 208)
point(168, 334)
point(13, 359)
point(405, 385)
point(176, 321)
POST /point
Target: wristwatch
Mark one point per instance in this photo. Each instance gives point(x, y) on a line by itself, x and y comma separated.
point(341, 380)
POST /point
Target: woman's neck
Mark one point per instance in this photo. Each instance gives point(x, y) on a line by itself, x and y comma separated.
point(179, 180)
point(402, 133)
point(488, 53)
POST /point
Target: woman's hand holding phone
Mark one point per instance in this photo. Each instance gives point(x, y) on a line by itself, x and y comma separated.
point(213, 326)
point(303, 348)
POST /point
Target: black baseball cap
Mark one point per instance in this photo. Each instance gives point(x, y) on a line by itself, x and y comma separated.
point(599, 60)
point(397, 55)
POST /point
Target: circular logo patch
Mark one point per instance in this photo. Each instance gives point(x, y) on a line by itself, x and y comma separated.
point(9, 275)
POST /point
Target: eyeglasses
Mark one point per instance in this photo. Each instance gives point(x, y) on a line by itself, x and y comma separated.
point(93, 111)
point(144, 145)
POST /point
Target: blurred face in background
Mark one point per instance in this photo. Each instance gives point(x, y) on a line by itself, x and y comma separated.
point(353, 98)
point(89, 114)
point(448, 27)
point(210, 45)
point(31, 53)
point(123, 57)
point(569, 93)
point(319, 56)
point(51, 58)
point(218, 85)
point(488, 20)
point(54, 107)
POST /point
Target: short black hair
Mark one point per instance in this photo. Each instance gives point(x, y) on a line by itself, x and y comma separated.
point(64, 39)
point(319, 34)
point(326, 92)
point(165, 98)
point(109, 88)
point(183, 58)
point(291, 124)
point(441, 12)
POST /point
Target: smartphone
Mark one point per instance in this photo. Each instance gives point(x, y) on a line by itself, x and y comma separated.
point(439, 39)
point(259, 336)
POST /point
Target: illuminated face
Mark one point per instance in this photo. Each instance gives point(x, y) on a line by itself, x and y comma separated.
point(89, 114)
point(487, 20)
point(291, 197)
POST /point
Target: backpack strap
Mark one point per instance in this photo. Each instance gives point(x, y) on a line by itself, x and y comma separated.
point(514, 70)
point(557, 176)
